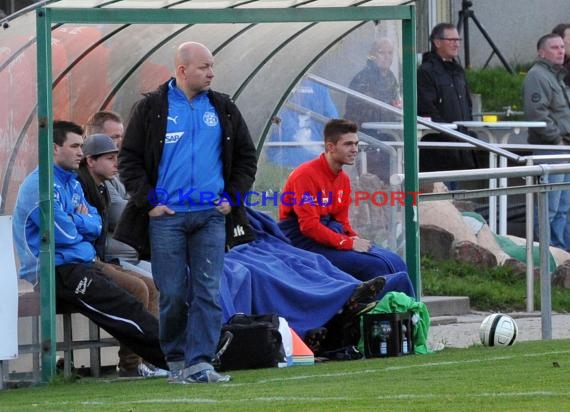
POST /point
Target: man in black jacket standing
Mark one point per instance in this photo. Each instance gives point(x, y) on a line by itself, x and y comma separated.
point(186, 152)
point(443, 96)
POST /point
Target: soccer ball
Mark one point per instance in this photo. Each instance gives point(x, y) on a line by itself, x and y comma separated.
point(498, 330)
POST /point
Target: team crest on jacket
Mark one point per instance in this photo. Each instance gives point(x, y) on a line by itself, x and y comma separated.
point(324, 200)
point(210, 118)
point(339, 196)
point(75, 200)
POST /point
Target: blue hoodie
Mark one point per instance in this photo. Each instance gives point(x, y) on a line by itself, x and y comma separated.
point(73, 232)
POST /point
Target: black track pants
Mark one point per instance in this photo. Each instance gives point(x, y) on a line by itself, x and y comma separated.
point(111, 307)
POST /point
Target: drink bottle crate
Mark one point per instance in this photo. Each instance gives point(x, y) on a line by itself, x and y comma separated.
point(388, 334)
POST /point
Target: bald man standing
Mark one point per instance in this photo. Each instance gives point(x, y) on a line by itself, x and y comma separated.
point(376, 80)
point(187, 155)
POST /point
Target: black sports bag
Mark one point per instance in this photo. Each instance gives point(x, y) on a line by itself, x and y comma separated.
point(250, 342)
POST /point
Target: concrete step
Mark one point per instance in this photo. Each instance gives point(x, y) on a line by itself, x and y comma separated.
point(443, 320)
point(447, 305)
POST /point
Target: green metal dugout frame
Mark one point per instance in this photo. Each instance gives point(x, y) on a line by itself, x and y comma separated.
point(48, 15)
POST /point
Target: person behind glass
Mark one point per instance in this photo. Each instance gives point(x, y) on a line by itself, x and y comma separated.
point(563, 30)
point(443, 96)
point(79, 281)
point(299, 121)
point(323, 226)
point(98, 166)
point(546, 98)
point(375, 80)
point(186, 148)
point(111, 124)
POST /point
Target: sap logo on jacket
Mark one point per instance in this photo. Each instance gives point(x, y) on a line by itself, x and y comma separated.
point(173, 137)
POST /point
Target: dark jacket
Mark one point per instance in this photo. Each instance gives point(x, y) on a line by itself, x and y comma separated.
point(380, 85)
point(140, 156)
point(443, 95)
point(98, 198)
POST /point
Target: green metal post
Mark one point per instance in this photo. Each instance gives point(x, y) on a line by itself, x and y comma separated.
point(411, 151)
point(45, 151)
point(46, 16)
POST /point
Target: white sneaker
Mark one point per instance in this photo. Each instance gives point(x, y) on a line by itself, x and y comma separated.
point(207, 376)
point(436, 346)
point(152, 371)
point(143, 371)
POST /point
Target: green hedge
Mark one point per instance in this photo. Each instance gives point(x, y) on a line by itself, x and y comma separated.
point(498, 88)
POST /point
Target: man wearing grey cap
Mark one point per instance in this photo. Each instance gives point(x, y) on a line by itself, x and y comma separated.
point(111, 124)
point(98, 166)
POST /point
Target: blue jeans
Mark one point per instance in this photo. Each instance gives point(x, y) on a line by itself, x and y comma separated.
point(558, 209)
point(187, 263)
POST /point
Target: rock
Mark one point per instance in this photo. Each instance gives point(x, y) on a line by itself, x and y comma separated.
point(487, 239)
point(464, 205)
point(446, 234)
point(443, 214)
point(561, 276)
point(560, 255)
point(466, 251)
point(436, 242)
point(520, 267)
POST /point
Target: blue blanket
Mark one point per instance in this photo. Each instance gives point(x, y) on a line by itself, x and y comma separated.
point(269, 275)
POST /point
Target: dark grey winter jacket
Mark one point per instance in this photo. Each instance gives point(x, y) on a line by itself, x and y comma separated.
point(546, 99)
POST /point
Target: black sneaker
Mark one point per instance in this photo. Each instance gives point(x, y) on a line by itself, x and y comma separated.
point(314, 338)
point(365, 293)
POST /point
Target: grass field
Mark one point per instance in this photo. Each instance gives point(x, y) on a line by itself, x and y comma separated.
point(529, 376)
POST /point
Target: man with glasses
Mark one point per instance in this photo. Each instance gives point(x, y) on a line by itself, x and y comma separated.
point(443, 96)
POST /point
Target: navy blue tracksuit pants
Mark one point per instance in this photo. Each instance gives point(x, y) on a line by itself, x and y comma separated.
point(362, 265)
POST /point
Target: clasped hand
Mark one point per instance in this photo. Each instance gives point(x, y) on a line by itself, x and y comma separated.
point(361, 245)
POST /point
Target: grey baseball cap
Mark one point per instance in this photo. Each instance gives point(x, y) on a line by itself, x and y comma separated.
point(98, 144)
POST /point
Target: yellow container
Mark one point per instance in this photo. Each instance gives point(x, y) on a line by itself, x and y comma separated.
point(490, 118)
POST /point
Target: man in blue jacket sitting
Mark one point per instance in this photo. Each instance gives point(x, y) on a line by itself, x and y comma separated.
point(78, 282)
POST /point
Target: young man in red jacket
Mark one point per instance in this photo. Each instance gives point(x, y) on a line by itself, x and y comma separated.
point(314, 210)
